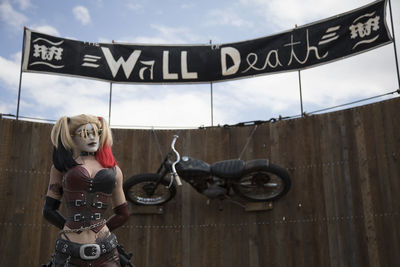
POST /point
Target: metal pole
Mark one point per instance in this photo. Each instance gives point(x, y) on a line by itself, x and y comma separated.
point(394, 44)
point(212, 105)
point(212, 99)
point(109, 105)
point(301, 95)
point(20, 74)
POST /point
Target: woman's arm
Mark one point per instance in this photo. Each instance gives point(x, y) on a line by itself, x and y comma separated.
point(120, 206)
point(52, 201)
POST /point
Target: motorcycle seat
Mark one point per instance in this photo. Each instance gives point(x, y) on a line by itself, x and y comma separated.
point(232, 168)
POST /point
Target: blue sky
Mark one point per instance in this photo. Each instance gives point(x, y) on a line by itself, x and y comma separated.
point(184, 22)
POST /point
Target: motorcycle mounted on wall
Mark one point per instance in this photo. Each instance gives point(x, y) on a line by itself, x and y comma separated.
point(256, 180)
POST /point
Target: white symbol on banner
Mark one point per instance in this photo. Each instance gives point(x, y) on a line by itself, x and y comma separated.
point(89, 61)
point(330, 35)
point(362, 30)
point(148, 63)
point(47, 53)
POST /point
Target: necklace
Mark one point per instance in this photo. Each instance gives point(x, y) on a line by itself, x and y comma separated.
point(85, 153)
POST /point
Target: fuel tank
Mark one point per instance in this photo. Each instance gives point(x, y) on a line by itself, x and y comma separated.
point(192, 169)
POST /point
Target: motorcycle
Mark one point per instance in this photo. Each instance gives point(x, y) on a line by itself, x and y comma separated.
point(255, 180)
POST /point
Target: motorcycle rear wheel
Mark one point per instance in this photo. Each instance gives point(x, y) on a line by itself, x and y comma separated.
point(140, 189)
point(262, 182)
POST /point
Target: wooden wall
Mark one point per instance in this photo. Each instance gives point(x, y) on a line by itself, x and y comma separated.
point(343, 208)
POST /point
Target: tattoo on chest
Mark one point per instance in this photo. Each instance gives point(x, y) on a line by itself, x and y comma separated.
point(56, 189)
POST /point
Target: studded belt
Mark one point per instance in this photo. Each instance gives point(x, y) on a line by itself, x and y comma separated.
point(86, 251)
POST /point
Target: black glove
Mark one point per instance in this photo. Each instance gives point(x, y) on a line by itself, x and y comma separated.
point(124, 257)
point(50, 212)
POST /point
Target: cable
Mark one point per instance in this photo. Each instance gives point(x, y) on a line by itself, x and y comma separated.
point(354, 102)
point(247, 123)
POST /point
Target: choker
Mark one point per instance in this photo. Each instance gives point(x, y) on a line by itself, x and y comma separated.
point(85, 153)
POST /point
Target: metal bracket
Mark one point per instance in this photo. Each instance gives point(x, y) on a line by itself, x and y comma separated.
point(137, 210)
point(258, 206)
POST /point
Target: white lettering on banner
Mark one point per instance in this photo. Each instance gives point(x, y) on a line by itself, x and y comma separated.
point(234, 54)
point(184, 68)
point(142, 70)
point(90, 61)
point(309, 49)
point(271, 60)
point(127, 66)
point(267, 61)
point(185, 73)
point(330, 35)
point(91, 44)
point(166, 74)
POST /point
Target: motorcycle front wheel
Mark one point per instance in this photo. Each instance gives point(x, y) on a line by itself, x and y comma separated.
point(262, 182)
point(142, 189)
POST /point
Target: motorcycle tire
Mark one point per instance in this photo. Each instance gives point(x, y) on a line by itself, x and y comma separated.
point(262, 181)
point(139, 189)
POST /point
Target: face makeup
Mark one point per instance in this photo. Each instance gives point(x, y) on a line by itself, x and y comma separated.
point(86, 138)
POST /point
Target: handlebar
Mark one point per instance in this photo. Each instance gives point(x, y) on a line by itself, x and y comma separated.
point(178, 158)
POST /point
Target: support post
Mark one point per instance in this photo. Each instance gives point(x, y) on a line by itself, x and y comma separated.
point(109, 105)
point(212, 104)
point(301, 95)
point(394, 44)
point(212, 99)
point(20, 75)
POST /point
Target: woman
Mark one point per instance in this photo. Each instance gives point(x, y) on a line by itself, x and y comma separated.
point(86, 174)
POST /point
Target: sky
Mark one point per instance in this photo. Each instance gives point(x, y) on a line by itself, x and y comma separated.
point(185, 22)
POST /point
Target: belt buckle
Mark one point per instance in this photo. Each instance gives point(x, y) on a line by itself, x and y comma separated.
point(79, 202)
point(98, 205)
point(95, 252)
point(96, 216)
point(78, 217)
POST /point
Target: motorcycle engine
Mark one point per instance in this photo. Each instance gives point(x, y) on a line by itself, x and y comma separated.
point(214, 191)
point(194, 171)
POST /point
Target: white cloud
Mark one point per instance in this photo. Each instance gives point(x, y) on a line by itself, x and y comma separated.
point(81, 13)
point(11, 17)
point(164, 35)
point(9, 70)
point(134, 6)
point(285, 14)
point(24, 4)
point(47, 29)
point(259, 98)
point(187, 5)
point(57, 95)
point(160, 106)
point(227, 17)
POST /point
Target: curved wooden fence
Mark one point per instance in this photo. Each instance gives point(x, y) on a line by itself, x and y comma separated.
point(343, 208)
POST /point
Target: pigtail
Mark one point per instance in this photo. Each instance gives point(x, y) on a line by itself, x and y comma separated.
point(62, 150)
point(63, 159)
point(106, 136)
point(104, 155)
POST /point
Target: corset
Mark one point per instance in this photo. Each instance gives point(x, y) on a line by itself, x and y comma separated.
point(87, 198)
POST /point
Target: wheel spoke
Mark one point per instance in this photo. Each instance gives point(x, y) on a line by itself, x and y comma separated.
point(148, 190)
point(260, 185)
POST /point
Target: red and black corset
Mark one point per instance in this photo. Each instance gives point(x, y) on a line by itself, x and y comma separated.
point(86, 197)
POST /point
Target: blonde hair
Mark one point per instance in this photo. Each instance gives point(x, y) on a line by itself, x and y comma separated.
point(65, 127)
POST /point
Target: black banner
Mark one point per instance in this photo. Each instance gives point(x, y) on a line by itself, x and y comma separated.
point(347, 34)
